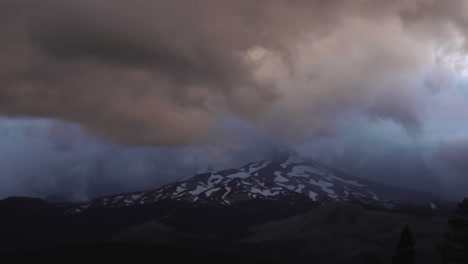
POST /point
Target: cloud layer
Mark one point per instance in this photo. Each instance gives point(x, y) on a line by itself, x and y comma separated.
point(170, 72)
point(373, 87)
point(58, 161)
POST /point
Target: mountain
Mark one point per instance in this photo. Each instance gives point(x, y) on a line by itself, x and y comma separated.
point(286, 177)
point(283, 210)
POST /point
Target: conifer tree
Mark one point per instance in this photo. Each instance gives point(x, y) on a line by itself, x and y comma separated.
point(405, 248)
point(455, 249)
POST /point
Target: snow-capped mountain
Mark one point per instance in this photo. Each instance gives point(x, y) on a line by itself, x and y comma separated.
point(285, 177)
point(261, 201)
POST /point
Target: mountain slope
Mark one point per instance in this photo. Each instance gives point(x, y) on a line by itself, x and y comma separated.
point(286, 177)
point(331, 233)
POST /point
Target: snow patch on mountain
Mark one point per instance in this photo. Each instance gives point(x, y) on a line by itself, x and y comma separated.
point(257, 166)
point(292, 159)
point(215, 179)
point(198, 190)
point(240, 174)
point(313, 195)
point(280, 178)
point(303, 171)
point(209, 192)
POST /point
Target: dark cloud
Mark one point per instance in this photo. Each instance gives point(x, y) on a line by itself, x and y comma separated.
point(228, 82)
point(169, 72)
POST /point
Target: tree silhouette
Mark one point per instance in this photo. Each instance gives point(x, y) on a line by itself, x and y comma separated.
point(405, 248)
point(455, 249)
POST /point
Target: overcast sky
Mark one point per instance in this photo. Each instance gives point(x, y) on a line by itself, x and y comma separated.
point(105, 96)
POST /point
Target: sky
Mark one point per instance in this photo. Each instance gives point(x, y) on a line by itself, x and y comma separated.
point(99, 97)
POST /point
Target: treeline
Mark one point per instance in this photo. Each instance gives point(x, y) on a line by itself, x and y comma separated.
point(454, 250)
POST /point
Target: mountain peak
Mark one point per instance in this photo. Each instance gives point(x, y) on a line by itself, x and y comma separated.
point(286, 176)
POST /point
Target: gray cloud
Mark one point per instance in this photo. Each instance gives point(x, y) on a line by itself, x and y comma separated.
point(57, 161)
point(228, 82)
point(170, 72)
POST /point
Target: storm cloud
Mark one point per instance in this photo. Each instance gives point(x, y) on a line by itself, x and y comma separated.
point(140, 93)
point(170, 72)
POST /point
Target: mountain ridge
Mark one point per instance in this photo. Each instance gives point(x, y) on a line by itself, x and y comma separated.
point(283, 177)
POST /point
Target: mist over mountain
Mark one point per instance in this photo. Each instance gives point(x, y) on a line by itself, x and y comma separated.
point(66, 164)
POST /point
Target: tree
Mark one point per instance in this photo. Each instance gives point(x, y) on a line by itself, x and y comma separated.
point(455, 249)
point(405, 248)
